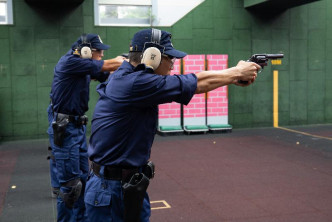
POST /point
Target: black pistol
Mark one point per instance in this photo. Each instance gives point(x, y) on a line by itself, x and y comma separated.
point(262, 59)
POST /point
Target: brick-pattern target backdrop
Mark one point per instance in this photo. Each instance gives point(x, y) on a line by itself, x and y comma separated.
point(195, 112)
point(170, 113)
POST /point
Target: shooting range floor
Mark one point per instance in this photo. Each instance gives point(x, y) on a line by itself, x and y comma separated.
point(249, 175)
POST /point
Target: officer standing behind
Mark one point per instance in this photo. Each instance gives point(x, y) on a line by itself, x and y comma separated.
point(67, 129)
point(125, 122)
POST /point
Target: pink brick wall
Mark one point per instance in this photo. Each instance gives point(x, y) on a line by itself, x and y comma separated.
point(217, 99)
point(196, 107)
point(164, 108)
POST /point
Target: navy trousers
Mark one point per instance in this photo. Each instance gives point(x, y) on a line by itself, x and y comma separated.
point(71, 162)
point(104, 202)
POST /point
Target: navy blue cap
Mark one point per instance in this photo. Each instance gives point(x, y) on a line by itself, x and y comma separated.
point(92, 40)
point(143, 39)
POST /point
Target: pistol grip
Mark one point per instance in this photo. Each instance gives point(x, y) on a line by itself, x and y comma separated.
point(242, 82)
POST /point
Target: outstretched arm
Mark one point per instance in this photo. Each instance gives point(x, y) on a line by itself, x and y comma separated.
point(112, 64)
point(210, 80)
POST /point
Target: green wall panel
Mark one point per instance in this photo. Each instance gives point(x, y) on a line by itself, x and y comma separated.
point(73, 19)
point(317, 18)
point(88, 24)
point(316, 90)
point(242, 100)
point(243, 120)
point(5, 52)
point(221, 9)
point(262, 30)
point(317, 59)
point(44, 74)
point(34, 43)
point(24, 63)
point(241, 39)
point(237, 3)
point(184, 28)
point(22, 39)
point(328, 6)
point(202, 40)
point(118, 38)
point(200, 13)
point(328, 101)
point(4, 32)
point(24, 99)
point(281, 21)
point(328, 64)
point(43, 98)
point(298, 102)
point(299, 23)
point(6, 119)
point(241, 18)
point(298, 49)
point(298, 70)
point(284, 91)
point(25, 130)
point(316, 49)
point(185, 45)
point(69, 35)
point(223, 28)
point(5, 75)
point(316, 117)
point(262, 100)
point(88, 8)
point(24, 15)
point(222, 47)
point(284, 118)
point(47, 50)
point(329, 49)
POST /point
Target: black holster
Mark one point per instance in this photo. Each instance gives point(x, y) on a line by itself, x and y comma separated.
point(59, 129)
point(133, 196)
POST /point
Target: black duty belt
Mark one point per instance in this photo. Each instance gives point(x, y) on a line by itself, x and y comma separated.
point(114, 172)
point(77, 120)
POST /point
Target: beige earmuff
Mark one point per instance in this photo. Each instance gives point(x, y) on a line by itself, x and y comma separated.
point(85, 47)
point(151, 57)
point(86, 52)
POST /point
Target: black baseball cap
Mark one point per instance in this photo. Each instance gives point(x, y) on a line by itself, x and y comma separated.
point(142, 39)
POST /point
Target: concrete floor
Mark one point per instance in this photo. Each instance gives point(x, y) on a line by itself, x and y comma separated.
point(249, 175)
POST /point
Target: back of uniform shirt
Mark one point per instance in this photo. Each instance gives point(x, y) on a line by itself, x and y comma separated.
point(125, 117)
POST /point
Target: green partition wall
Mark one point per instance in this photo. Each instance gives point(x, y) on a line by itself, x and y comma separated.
point(31, 47)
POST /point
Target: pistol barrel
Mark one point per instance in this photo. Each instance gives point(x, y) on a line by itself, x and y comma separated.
point(274, 56)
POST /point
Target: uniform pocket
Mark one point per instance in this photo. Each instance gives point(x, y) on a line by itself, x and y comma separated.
point(96, 193)
point(98, 198)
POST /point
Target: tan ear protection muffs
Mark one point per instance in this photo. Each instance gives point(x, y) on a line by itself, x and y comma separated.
point(85, 48)
point(151, 54)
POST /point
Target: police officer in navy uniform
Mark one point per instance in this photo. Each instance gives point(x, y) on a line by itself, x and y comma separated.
point(67, 128)
point(125, 122)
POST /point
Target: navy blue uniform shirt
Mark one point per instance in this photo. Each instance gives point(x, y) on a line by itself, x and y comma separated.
point(70, 87)
point(125, 117)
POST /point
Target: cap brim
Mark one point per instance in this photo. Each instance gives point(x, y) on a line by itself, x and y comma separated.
point(175, 53)
point(100, 46)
